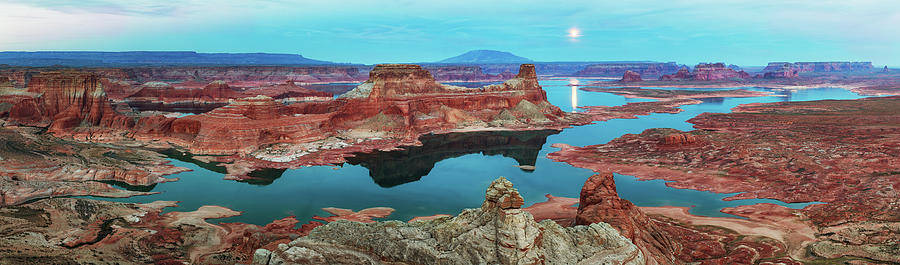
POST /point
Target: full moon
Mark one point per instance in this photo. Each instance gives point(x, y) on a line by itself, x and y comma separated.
point(574, 33)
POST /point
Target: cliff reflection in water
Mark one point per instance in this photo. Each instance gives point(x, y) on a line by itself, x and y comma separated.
point(262, 177)
point(392, 168)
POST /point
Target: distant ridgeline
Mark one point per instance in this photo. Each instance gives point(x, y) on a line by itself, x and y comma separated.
point(150, 58)
point(820, 66)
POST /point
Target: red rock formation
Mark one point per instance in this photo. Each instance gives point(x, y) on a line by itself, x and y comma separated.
point(400, 102)
point(288, 91)
point(717, 71)
point(786, 71)
point(599, 202)
point(66, 100)
point(706, 72)
point(166, 93)
point(240, 127)
point(630, 76)
point(682, 74)
point(679, 139)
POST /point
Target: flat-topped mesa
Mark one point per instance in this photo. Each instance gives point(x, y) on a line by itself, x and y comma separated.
point(717, 71)
point(785, 70)
point(396, 80)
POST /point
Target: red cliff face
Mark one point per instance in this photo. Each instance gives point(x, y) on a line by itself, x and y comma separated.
point(630, 76)
point(66, 100)
point(599, 202)
point(244, 125)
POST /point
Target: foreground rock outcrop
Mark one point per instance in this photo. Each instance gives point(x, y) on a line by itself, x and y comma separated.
point(497, 233)
point(600, 203)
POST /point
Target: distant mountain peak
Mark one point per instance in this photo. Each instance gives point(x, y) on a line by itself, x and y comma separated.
point(486, 56)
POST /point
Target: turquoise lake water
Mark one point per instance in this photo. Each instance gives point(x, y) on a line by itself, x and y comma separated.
point(450, 172)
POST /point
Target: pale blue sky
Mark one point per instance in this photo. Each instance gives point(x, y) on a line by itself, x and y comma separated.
point(745, 32)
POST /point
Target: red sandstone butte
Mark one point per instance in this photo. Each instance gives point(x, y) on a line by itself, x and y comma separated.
point(599, 202)
point(630, 76)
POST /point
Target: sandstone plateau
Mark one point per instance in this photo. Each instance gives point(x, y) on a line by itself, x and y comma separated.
point(840, 152)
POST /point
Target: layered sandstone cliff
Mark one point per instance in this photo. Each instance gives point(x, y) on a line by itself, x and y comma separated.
point(66, 100)
point(785, 71)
